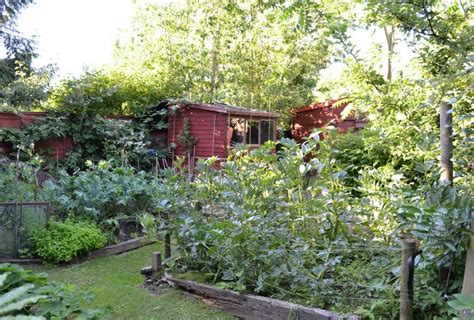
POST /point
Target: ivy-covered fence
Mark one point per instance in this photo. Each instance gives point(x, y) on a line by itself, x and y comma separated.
point(72, 138)
point(56, 147)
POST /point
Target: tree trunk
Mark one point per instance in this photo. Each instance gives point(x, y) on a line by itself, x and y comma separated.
point(390, 38)
point(214, 66)
point(446, 133)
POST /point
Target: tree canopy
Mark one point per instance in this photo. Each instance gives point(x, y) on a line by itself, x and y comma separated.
point(17, 47)
point(243, 53)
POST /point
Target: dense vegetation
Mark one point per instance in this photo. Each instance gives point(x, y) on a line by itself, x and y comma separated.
point(27, 295)
point(305, 231)
point(101, 205)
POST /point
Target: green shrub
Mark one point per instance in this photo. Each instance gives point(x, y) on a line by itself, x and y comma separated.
point(63, 241)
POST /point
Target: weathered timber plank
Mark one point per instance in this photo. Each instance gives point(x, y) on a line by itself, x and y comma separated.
point(253, 307)
point(21, 261)
point(121, 247)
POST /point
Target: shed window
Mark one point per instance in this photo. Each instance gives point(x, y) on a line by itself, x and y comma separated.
point(238, 131)
point(253, 128)
point(253, 132)
point(267, 131)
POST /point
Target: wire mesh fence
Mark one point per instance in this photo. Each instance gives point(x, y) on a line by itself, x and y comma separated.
point(18, 221)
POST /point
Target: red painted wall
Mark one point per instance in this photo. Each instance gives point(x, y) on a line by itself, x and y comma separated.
point(208, 126)
point(304, 121)
point(9, 120)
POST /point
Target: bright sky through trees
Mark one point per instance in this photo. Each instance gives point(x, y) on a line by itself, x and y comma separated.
point(74, 34)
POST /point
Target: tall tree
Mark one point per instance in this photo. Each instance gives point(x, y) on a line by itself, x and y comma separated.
point(17, 47)
point(389, 32)
point(441, 31)
point(237, 52)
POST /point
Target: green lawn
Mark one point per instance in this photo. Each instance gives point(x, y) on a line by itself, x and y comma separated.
point(116, 282)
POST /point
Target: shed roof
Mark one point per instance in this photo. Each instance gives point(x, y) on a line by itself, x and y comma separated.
point(232, 110)
point(317, 105)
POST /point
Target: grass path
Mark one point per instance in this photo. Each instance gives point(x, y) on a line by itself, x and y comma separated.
point(116, 282)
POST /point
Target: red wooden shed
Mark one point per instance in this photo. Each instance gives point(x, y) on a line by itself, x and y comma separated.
point(219, 127)
point(319, 115)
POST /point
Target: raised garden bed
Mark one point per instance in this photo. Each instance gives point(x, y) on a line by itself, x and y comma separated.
point(247, 306)
point(243, 306)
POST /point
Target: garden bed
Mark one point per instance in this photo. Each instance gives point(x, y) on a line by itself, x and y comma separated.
point(244, 306)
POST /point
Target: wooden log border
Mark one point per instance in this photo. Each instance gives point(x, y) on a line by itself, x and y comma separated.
point(120, 247)
point(21, 261)
point(252, 307)
point(111, 250)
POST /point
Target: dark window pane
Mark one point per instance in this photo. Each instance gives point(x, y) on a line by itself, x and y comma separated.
point(267, 131)
point(252, 132)
point(238, 131)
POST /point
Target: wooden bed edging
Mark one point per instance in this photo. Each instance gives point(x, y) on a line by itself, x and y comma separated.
point(103, 252)
point(21, 261)
point(253, 307)
point(121, 247)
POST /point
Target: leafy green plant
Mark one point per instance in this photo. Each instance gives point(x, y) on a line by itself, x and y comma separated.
point(26, 171)
point(186, 137)
point(63, 241)
point(26, 295)
point(30, 88)
point(14, 301)
point(463, 302)
point(354, 152)
point(438, 216)
point(275, 224)
point(148, 223)
point(316, 230)
point(102, 192)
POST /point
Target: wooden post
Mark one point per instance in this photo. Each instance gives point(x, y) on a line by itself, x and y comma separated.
point(406, 279)
point(167, 245)
point(16, 219)
point(446, 141)
point(189, 167)
point(156, 261)
point(167, 238)
point(468, 283)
